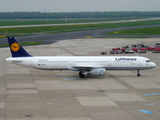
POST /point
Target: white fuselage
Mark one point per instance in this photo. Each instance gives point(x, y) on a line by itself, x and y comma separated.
point(93, 65)
point(84, 63)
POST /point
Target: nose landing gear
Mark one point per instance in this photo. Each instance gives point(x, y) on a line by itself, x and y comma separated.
point(138, 73)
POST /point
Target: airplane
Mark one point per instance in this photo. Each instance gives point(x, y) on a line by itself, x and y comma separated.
point(92, 65)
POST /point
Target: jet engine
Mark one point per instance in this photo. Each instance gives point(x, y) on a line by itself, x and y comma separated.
point(97, 72)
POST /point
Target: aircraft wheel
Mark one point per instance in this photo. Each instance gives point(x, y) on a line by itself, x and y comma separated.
point(81, 75)
point(80, 72)
point(139, 75)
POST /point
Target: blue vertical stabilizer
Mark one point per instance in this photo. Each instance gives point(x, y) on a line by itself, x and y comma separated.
point(16, 48)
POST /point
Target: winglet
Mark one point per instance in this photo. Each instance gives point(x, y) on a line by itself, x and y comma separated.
point(16, 48)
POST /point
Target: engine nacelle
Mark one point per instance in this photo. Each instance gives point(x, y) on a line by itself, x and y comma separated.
point(97, 72)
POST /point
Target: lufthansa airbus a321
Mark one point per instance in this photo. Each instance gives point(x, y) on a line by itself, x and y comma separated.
point(92, 65)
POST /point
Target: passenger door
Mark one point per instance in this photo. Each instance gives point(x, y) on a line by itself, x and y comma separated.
point(139, 62)
point(32, 62)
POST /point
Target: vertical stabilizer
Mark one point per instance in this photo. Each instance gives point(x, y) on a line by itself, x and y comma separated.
point(16, 48)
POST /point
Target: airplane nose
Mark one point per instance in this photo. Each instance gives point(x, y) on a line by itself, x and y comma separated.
point(153, 64)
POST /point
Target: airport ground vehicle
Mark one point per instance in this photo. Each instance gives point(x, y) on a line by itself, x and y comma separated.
point(142, 50)
point(112, 52)
point(118, 51)
point(135, 49)
point(129, 51)
point(139, 48)
point(103, 52)
point(157, 44)
point(149, 48)
point(156, 50)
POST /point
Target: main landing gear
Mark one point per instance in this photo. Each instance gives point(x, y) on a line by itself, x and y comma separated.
point(138, 73)
point(81, 75)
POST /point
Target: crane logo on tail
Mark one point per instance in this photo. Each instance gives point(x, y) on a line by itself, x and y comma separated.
point(15, 47)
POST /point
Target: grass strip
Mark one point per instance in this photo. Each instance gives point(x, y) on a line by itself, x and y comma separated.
point(71, 28)
point(59, 21)
point(140, 31)
point(120, 37)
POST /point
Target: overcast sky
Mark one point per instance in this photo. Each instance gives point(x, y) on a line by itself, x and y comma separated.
point(78, 5)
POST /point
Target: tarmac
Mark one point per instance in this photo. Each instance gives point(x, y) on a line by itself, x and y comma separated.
point(31, 94)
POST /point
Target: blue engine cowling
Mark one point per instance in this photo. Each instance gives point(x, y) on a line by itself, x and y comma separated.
point(97, 72)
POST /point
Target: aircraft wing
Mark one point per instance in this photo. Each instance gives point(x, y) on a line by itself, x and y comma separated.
point(87, 67)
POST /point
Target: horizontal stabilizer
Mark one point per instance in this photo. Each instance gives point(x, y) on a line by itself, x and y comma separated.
point(12, 60)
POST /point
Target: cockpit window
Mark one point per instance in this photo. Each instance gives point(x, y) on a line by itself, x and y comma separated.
point(148, 61)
